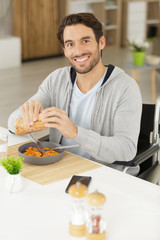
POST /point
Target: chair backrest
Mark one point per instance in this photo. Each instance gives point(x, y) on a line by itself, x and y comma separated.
point(147, 126)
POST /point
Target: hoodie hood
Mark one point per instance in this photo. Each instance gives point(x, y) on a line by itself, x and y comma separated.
point(111, 73)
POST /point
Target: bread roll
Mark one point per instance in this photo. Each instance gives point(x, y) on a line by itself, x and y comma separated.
point(21, 128)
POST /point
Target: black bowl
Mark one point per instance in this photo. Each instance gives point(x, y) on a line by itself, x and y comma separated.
point(41, 160)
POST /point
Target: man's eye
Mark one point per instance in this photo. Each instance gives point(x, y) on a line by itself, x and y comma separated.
point(69, 44)
point(85, 41)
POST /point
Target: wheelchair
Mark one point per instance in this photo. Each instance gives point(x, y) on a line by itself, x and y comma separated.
point(148, 144)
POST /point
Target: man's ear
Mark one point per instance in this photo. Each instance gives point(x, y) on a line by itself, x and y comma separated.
point(102, 42)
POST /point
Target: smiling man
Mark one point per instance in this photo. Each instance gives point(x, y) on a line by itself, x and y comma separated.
point(95, 105)
point(82, 49)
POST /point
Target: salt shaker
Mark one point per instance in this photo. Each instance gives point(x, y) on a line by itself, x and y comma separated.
point(96, 226)
point(77, 225)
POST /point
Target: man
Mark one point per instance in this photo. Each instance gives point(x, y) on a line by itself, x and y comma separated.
point(96, 106)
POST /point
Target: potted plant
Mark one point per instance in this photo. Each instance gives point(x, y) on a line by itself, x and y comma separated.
point(138, 47)
point(13, 166)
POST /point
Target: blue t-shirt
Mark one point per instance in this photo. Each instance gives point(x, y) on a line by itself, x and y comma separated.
point(81, 107)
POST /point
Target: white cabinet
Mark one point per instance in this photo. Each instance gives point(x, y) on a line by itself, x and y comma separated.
point(136, 20)
point(140, 18)
point(10, 52)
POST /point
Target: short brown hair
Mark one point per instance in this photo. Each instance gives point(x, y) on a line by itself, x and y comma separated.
point(88, 19)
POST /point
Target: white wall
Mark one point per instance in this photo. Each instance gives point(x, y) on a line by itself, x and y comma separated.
point(5, 18)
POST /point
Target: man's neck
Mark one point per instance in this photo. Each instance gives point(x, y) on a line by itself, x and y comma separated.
point(86, 82)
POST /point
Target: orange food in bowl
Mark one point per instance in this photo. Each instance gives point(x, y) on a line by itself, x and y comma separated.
point(34, 152)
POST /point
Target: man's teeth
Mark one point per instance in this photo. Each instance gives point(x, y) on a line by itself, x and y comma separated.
point(81, 59)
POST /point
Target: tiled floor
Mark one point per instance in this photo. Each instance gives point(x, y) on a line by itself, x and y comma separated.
point(20, 83)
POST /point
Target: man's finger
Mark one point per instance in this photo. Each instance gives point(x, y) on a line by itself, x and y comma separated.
point(37, 109)
point(31, 111)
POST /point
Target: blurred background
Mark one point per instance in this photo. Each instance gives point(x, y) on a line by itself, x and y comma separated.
point(29, 49)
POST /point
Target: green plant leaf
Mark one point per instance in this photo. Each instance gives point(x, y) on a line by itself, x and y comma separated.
point(12, 164)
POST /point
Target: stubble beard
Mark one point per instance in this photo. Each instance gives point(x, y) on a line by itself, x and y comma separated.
point(93, 63)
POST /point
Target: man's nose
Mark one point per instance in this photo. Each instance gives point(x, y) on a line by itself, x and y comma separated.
point(78, 50)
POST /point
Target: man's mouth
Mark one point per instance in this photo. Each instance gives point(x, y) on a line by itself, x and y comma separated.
point(81, 59)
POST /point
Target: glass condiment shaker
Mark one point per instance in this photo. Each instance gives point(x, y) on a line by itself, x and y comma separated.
point(77, 224)
point(96, 226)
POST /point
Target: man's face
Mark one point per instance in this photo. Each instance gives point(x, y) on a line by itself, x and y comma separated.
point(81, 47)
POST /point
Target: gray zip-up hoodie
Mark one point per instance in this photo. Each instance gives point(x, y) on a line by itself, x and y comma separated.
point(115, 121)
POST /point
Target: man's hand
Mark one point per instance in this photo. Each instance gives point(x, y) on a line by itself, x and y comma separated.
point(30, 111)
point(56, 118)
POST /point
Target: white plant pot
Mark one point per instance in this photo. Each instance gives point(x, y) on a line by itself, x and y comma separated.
point(14, 182)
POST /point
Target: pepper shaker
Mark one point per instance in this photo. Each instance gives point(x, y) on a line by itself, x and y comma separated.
point(96, 226)
point(77, 224)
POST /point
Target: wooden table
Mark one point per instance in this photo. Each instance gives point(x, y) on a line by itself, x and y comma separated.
point(38, 212)
point(135, 75)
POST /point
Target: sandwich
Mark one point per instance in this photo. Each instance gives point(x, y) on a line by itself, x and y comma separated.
point(21, 128)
